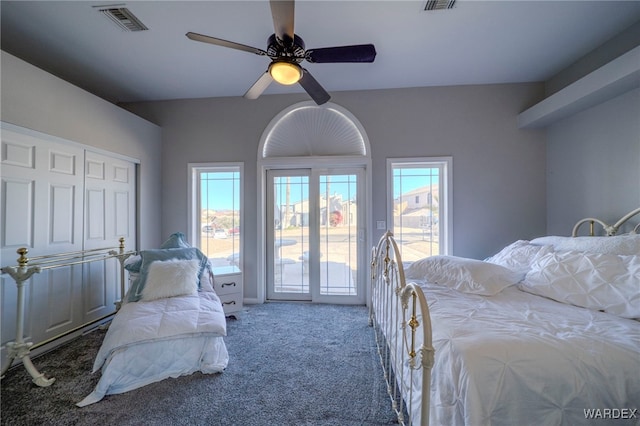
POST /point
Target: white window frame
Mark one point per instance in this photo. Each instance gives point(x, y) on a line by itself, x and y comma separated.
point(445, 190)
point(193, 211)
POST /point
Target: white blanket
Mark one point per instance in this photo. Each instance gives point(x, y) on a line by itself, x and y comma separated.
point(518, 358)
point(150, 341)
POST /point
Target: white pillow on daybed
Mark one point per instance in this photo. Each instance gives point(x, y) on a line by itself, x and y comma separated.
point(518, 256)
point(605, 282)
point(463, 274)
point(149, 257)
point(169, 278)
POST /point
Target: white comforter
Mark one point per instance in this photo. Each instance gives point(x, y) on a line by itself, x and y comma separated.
point(517, 358)
point(150, 341)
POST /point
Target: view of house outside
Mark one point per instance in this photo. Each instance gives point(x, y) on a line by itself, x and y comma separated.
point(416, 209)
point(415, 219)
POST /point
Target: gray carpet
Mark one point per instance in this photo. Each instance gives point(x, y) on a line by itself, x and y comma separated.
point(290, 364)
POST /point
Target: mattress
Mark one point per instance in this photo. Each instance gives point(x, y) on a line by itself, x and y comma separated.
point(519, 358)
point(149, 341)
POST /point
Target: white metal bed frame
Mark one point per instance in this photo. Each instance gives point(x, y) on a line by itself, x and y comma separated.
point(22, 272)
point(395, 311)
point(609, 229)
point(398, 312)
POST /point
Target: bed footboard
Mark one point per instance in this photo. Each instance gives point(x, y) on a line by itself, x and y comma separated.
point(399, 314)
point(22, 272)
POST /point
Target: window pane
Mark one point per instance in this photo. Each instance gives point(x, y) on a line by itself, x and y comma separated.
point(291, 234)
point(417, 213)
point(219, 220)
point(338, 235)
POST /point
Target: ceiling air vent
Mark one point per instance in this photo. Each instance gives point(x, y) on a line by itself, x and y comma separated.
point(439, 4)
point(123, 18)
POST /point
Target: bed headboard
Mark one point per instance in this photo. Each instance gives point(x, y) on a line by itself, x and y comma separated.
point(609, 229)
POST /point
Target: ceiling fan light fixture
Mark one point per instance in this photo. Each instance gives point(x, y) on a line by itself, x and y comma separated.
point(286, 73)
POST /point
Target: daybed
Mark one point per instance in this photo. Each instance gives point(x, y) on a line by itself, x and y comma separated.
point(544, 332)
point(171, 324)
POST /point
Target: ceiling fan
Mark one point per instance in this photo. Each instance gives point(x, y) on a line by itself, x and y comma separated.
point(286, 50)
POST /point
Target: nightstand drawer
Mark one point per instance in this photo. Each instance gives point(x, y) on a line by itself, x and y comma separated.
point(231, 302)
point(226, 284)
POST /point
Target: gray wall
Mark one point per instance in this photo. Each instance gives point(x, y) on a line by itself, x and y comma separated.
point(593, 157)
point(35, 99)
point(593, 161)
point(498, 169)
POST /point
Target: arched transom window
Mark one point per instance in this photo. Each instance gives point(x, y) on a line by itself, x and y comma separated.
point(307, 129)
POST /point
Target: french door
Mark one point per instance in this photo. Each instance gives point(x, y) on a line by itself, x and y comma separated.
point(315, 245)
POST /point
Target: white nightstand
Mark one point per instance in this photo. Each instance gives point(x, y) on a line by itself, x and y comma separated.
point(227, 282)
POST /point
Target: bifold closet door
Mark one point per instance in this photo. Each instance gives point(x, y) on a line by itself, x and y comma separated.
point(109, 215)
point(58, 197)
point(41, 209)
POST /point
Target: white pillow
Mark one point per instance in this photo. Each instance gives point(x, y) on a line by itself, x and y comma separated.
point(462, 274)
point(169, 278)
point(605, 282)
point(518, 256)
point(628, 244)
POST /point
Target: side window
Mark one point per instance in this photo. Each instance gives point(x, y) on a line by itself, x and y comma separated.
point(418, 200)
point(217, 212)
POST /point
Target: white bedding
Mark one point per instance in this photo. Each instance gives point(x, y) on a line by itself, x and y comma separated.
point(149, 341)
point(518, 358)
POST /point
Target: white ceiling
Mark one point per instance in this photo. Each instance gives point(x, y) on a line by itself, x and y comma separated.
point(476, 42)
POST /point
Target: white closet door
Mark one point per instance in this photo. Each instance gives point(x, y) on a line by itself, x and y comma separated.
point(109, 215)
point(57, 197)
point(42, 182)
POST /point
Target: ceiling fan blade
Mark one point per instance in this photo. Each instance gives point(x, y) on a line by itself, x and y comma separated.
point(313, 88)
point(259, 86)
point(355, 53)
point(283, 12)
point(225, 43)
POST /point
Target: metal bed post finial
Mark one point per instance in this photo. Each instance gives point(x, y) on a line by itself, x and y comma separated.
point(23, 259)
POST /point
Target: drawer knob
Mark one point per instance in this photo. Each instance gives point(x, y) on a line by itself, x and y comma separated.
point(226, 284)
point(233, 302)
